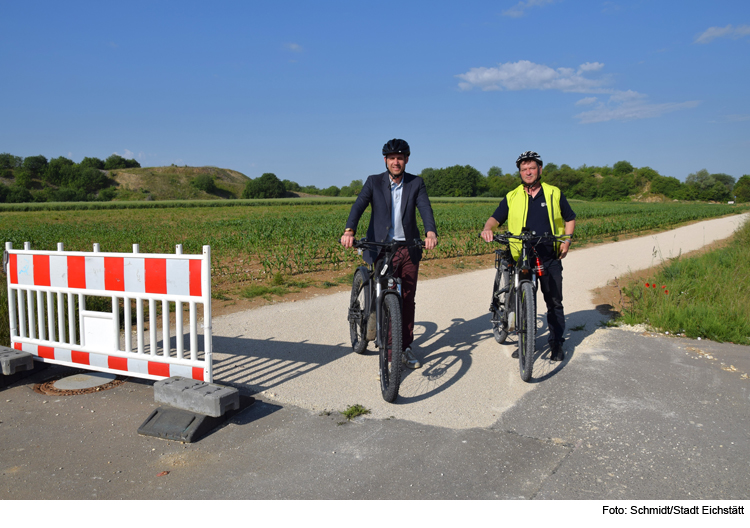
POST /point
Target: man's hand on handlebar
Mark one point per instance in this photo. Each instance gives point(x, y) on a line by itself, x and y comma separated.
point(487, 235)
point(347, 239)
point(564, 247)
point(431, 240)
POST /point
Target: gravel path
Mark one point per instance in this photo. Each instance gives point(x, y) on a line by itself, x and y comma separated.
point(298, 353)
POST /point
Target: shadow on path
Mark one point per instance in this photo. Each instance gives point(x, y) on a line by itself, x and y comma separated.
point(446, 355)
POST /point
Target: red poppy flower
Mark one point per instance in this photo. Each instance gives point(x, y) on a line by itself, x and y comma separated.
point(647, 285)
point(653, 285)
point(666, 292)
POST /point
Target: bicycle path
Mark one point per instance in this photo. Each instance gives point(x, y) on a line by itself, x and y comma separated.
point(300, 354)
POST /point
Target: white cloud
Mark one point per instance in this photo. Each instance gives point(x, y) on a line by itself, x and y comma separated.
point(518, 10)
point(526, 75)
point(590, 66)
point(586, 101)
point(291, 46)
point(728, 31)
point(630, 105)
point(734, 118)
point(127, 154)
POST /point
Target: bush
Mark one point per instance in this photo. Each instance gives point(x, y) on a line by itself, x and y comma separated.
point(742, 189)
point(330, 191)
point(621, 168)
point(452, 181)
point(24, 179)
point(68, 194)
point(118, 162)
point(205, 183)
point(107, 195)
point(18, 194)
point(94, 163)
point(35, 165)
point(267, 186)
point(666, 185)
point(60, 171)
point(9, 161)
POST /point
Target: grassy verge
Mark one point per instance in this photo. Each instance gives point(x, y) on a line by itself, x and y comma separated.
point(707, 296)
point(280, 285)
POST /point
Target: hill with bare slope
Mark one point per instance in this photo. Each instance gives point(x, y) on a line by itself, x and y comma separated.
point(176, 183)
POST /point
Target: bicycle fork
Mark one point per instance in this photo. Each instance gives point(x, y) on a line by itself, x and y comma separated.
point(517, 300)
point(393, 287)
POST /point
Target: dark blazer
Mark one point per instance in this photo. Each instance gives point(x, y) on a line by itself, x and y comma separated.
point(377, 192)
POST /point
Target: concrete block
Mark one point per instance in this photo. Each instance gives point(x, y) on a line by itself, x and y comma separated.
point(15, 360)
point(196, 396)
point(178, 425)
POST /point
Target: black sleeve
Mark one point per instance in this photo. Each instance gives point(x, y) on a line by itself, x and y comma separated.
point(425, 209)
point(565, 210)
point(360, 204)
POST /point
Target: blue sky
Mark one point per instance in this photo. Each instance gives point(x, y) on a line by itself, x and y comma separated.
point(311, 90)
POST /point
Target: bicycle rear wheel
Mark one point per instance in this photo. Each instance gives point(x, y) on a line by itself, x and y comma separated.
point(390, 352)
point(357, 318)
point(526, 330)
point(500, 305)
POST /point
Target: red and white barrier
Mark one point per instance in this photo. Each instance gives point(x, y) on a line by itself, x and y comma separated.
point(45, 321)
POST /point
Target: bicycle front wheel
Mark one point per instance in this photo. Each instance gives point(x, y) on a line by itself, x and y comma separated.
point(500, 305)
point(390, 352)
point(357, 317)
point(526, 330)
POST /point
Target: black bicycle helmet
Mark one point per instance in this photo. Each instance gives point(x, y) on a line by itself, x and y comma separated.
point(396, 146)
point(529, 155)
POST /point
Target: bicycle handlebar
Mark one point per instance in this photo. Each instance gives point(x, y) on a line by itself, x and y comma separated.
point(526, 236)
point(364, 243)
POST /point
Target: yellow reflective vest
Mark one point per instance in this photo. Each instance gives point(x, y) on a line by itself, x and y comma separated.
point(518, 208)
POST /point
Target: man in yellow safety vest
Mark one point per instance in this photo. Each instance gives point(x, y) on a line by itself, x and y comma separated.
point(542, 208)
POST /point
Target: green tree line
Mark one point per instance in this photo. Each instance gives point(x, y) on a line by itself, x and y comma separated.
point(618, 182)
point(36, 179)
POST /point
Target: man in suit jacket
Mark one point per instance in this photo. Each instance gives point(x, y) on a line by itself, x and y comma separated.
point(395, 195)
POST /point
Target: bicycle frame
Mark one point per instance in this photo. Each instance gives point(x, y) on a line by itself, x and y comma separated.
point(519, 272)
point(381, 281)
point(523, 270)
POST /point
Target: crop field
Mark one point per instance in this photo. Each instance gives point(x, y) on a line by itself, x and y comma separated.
point(260, 242)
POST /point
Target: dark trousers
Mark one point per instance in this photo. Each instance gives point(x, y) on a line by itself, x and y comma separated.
point(408, 272)
point(551, 285)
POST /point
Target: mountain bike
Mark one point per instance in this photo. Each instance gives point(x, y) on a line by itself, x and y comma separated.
point(375, 311)
point(513, 304)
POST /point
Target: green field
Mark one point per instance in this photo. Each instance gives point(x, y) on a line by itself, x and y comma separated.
point(257, 242)
point(296, 238)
